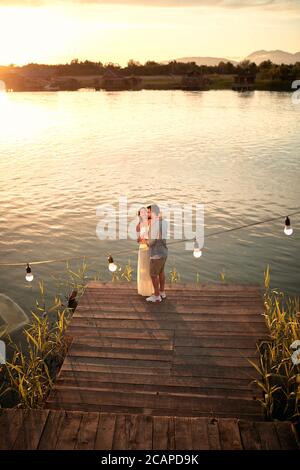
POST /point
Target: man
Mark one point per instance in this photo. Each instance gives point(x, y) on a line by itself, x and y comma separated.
point(158, 253)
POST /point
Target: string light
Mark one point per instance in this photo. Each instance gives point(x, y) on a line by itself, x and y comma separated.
point(287, 227)
point(288, 230)
point(111, 265)
point(29, 275)
point(197, 252)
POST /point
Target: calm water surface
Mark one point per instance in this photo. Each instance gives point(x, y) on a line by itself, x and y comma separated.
point(63, 154)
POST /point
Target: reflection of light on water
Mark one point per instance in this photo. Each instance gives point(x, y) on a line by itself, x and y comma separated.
point(21, 119)
point(12, 316)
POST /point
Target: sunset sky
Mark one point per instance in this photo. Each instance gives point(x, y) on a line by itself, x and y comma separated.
point(50, 31)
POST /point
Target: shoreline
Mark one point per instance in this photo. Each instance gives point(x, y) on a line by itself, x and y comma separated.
point(149, 82)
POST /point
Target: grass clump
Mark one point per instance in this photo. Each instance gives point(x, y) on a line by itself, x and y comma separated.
point(278, 367)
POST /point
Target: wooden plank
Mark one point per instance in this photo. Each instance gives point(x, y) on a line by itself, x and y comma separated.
point(155, 401)
point(111, 362)
point(199, 430)
point(100, 286)
point(49, 436)
point(195, 305)
point(117, 366)
point(169, 317)
point(138, 432)
point(213, 434)
point(229, 435)
point(249, 435)
point(268, 436)
point(79, 350)
point(183, 434)
point(10, 424)
point(87, 431)
point(203, 326)
point(163, 433)
point(129, 333)
point(214, 371)
point(127, 343)
point(186, 286)
point(120, 437)
point(286, 436)
point(214, 305)
point(173, 289)
point(84, 384)
point(133, 333)
point(196, 352)
point(105, 432)
point(197, 302)
point(218, 360)
point(115, 310)
point(89, 373)
point(214, 341)
point(108, 293)
point(118, 409)
point(67, 434)
point(247, 334)
point(30, 433)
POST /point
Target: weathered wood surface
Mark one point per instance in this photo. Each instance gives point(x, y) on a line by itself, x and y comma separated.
point(188, 356)
point(44, 430)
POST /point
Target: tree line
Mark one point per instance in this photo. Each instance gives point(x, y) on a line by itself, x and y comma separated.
point(266, 70)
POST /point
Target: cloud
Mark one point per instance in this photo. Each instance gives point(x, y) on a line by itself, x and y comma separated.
point(282, 4)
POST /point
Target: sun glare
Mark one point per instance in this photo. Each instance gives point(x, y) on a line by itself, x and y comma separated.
point(32, 34)
point(20, 119)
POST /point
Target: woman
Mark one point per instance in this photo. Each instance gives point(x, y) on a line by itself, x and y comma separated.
point(144, 282)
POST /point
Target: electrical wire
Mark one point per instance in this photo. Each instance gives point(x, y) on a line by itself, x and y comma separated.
point(118, 253)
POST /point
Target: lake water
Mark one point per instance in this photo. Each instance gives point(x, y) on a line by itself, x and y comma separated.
point(63, 154)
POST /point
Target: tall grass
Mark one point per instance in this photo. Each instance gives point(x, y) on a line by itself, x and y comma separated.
point(29, 374)
point(279, 377)
point(174, 275)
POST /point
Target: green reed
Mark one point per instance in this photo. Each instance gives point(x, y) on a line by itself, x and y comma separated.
point(174, 275)
point(278, 376)
point(28, 376)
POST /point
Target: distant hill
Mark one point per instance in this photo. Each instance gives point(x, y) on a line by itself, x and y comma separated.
point(277, 57)
point(211, 61)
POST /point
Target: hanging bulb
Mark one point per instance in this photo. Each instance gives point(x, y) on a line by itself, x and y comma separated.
point(288, 228)
point(29, 275)
point(111, 265)
point(197, 252)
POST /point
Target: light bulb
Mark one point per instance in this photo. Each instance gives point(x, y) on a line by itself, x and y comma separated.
point(111, 265)
point(288, 228)
point(29, 275)
point(197, 252)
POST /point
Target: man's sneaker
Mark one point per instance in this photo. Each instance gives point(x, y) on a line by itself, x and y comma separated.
point(154, 298)
point(163, 295)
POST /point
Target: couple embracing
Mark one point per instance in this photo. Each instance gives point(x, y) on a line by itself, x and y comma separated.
point(153, 251)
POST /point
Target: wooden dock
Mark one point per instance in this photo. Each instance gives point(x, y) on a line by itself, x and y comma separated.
point(187, 356)
point(76, 430)
point(169, 376)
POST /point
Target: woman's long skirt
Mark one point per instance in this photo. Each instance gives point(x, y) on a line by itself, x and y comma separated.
point(144, 282)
